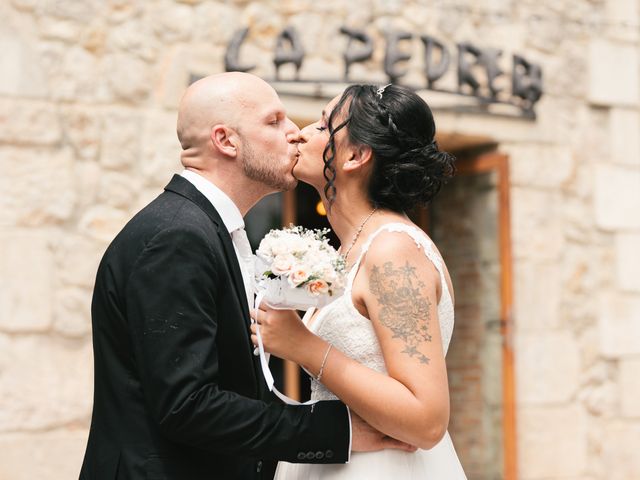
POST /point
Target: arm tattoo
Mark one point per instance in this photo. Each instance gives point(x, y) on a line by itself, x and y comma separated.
point(404, 309)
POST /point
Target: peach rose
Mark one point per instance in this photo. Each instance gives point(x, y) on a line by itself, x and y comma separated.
point(298, 275)
point(318, 287)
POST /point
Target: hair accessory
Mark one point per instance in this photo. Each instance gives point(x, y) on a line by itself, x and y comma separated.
point(380, 91)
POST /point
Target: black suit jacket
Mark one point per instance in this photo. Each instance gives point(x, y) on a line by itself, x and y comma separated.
point(178, 393)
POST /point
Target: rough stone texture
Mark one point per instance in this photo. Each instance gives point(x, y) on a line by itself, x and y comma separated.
point(541, 453)
point(620, 452)
point(628, 261)
point(121, 139)
point(31, 123)
point(619, 326)
point(54, 455)
point(26, 276)
point(613, 73)
point(537, 300)
point(617, 198)
point(540, 165)
point(625, 136)
point(58, 392)
point(128, 77)
point(88, 98)
point(22, 74)
point(37, 186)
point(629, 387)
point(536, 224)
point(547, 366)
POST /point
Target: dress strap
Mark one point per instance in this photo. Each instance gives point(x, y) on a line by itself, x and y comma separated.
point(421, 239)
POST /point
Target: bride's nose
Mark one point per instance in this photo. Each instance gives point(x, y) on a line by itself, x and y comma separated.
point(302, 136)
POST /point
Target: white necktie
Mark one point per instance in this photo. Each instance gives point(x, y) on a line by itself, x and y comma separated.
point(247, 267)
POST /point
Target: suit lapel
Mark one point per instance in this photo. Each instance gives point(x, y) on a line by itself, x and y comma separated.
point(184, 188)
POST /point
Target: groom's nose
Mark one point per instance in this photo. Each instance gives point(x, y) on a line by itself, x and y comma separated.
point(291, 130)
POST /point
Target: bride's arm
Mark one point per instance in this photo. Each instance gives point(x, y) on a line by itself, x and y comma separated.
point(398, 286)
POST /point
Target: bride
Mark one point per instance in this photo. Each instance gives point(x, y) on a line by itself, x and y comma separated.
point(381, 346)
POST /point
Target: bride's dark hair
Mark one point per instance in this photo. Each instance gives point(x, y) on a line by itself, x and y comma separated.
point(408, 167)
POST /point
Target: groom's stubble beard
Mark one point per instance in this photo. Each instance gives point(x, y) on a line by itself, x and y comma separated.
point(263, 169)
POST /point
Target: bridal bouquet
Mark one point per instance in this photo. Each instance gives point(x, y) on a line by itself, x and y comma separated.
point(297, 268)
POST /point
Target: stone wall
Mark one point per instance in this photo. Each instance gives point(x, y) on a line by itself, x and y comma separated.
point(88, 91)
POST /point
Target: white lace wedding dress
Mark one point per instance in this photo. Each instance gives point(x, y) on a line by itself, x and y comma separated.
point(341, 324)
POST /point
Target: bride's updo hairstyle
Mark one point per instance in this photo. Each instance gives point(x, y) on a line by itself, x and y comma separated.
point(398, 126)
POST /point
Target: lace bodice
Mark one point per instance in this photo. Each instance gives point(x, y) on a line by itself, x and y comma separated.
point(342, 325)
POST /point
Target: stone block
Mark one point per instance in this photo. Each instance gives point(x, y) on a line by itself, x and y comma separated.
point(129, 78)
point(121, 138)
point(160, 151)
point(624, 134)
point(172, 22)
point(59, 29)
point(618, 324)
point(29, 123)
point(46, 382)
point(628, 261)
point(37, 186)
point(176, 75)
point(102, 223)
point(44, 455)
point(83, 127)
point(72, 312)
point(599, 392)
point(541, 166)
point(537, 292)
point(547, 366)
point(629, 387)
point(87, 178)
point(536, 224)
point(134, 38)
point(118, 189)
point(26, 281)
point(622, 18)
point(76, 260)
point(552, 442)
point(613, 73)
point(216, 22)
point(22, 75)
point(74, 73)
point(620, 450)
point(617, 197)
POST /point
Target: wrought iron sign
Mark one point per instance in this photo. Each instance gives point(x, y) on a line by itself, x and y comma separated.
point(477, 68)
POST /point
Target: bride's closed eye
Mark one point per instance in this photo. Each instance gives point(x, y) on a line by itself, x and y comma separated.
point(321, 129)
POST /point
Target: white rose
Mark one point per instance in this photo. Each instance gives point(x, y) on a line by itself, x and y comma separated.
point(283, 264)
point(279, 247)
point(299, 274)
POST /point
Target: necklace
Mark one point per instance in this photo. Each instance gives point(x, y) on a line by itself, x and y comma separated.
point(355, 237)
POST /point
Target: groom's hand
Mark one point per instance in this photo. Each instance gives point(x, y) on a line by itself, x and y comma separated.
point(365, 438)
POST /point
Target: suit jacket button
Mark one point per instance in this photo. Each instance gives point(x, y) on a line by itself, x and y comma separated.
point(319, 455)
point(301, 456)
point(259, 466)
point(311, 455)
point(328, 454)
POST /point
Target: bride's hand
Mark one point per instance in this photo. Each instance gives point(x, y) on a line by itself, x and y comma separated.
point(282, 331)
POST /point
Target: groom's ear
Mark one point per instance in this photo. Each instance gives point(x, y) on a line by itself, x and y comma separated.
point(224, 140)
point(359, 156)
